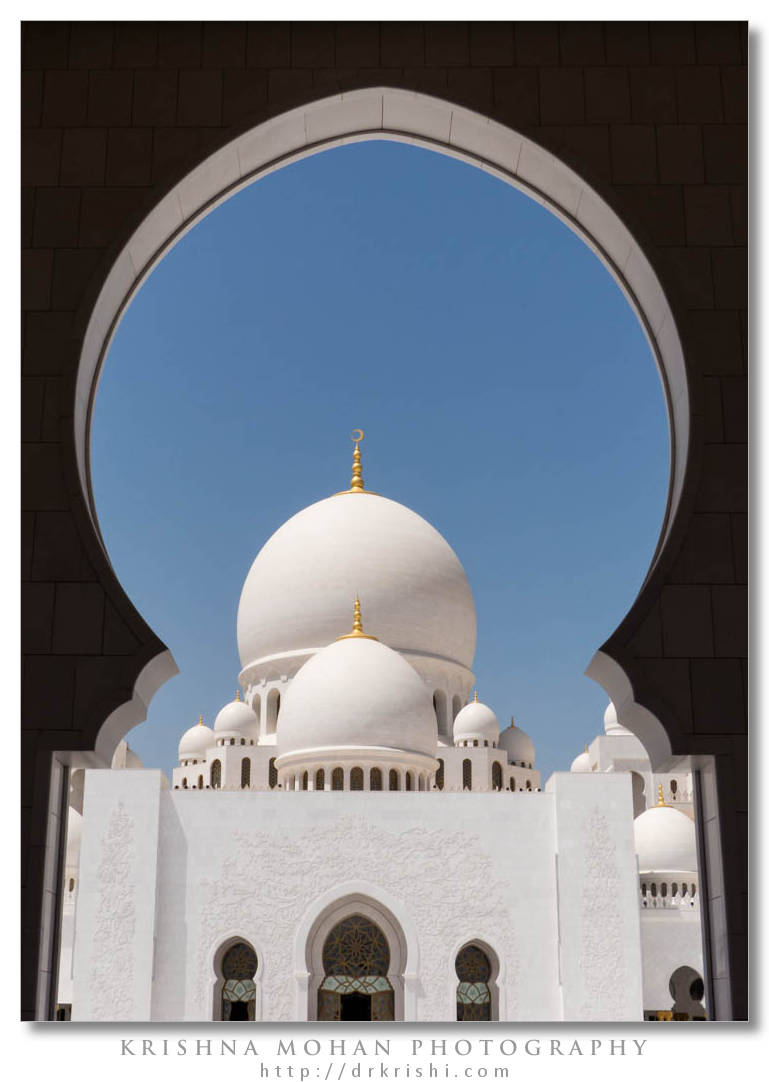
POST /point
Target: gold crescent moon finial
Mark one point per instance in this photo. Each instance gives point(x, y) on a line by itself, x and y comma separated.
point(356, 481)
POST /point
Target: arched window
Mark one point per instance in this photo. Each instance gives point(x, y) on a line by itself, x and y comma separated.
point(687, 990)
point(467, 774)
point(184, 783)
point(239, 990)
point(473, 993)
point(273, 709)
point(496, 776)
point(273, 774)
point(245, 773)
point(439, 775)
point(71, 885)
point(395, 783)
point(356, 778)
point(409, 782)
point(200, 781)
point(305, 780)
point(320, 779)
point(356, 961)
point(337, 778)
point(375, 779)
point(216, 775)
point(440, 706)
point(512, 785)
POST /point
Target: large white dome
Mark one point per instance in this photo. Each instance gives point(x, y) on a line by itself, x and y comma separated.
point(357, 693)
point(665, 841)
point(296, 598)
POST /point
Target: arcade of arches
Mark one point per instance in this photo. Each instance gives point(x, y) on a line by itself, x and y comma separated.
point(651, 117)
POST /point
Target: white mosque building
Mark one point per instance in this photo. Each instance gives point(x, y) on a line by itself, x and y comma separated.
point(358, 839)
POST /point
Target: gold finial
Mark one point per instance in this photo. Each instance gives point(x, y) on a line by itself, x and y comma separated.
point(660, 798)
point(200, 720)
point(237, 695)
point(475, 700)
point(356, 481)
point(357, 625)
point(512, 721)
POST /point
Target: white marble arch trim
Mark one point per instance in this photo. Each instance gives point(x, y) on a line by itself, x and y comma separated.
point(387, 912)
point(404, 116)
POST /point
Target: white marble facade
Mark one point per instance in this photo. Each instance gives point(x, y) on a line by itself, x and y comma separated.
point(359, 779)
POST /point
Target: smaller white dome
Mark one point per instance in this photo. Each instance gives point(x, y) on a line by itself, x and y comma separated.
point(665, 841)
point(196, 741)
point(354, 695)
point(237, 718)
point(611, 726)
point(476, 721)
point(518, 744)
point(581, 764)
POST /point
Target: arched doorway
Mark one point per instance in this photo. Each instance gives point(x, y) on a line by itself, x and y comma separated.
point(356, 961)
point(354, 946)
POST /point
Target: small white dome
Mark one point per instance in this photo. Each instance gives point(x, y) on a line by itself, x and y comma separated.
point(356, 693)
point(296, 597)
point(237, 718)
point(611, 726)
point(665, 841)
point(196, 741)
point(518, 745)
point(581, 764)
point(476, 721)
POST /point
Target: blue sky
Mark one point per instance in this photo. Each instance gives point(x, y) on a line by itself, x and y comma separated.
point(506, 390)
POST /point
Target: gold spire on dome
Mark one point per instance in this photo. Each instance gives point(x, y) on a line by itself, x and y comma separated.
point(200, 720)
point(237, 695)
point(357, 625)
point(660, 798)
point(585, 749)
point(475, 700)
point(356, 481)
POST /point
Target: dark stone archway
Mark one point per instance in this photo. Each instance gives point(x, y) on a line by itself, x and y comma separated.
point(652, 115)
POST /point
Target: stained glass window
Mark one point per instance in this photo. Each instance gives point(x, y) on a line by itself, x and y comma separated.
point(473, 995)
point(239, 991)
point(245, 773)
point(356, 778)
point(337, 778)
point(467, 774)
point(375, 780)
point(356, 958)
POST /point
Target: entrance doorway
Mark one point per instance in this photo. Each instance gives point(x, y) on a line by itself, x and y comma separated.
point(356, 961)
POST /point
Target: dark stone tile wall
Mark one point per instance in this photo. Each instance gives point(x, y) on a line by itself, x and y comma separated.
point(652, 114)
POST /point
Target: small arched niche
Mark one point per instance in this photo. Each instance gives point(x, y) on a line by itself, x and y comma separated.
point(235, 989)
point(477, 994)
